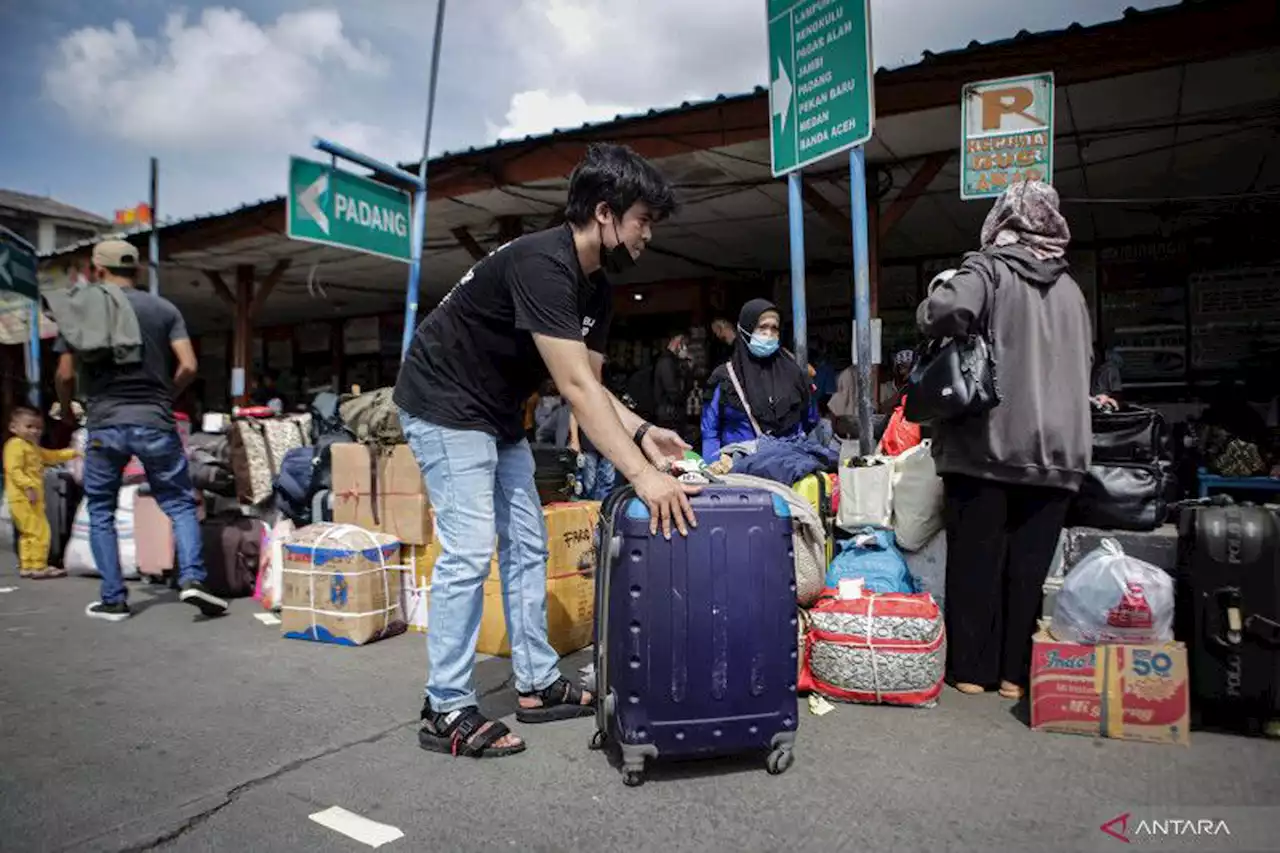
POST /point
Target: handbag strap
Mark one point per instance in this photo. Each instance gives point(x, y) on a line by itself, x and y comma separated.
point(746, 407)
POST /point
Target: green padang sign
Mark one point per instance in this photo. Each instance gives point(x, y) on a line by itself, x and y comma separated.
point(821, 98)
point(17, 266)
point(336, 208)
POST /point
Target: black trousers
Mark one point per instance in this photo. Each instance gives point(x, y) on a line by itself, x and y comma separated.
point(1000, 542)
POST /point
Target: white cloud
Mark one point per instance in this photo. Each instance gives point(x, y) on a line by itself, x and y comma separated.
point(224, 80)
point(539, 111)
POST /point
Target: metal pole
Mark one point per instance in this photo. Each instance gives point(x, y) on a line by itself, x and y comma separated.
point(861, 297)
point(153, 265)
point(799, 314)
point(418, 232)
point(33, 358)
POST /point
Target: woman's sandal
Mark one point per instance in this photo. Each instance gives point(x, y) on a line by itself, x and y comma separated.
point(460, 733)
point(561, 700)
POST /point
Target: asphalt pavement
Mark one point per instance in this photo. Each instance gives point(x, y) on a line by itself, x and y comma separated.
point(173, 732)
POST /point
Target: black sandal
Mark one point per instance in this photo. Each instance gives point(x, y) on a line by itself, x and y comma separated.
point(458, 733)
point(561, 700)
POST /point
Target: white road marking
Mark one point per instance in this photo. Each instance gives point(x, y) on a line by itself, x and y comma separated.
point(354, 826)
point(8, 589)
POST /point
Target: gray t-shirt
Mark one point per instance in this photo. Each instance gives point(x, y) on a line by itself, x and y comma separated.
point(137, 394)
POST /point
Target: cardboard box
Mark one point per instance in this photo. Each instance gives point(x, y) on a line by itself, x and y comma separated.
point(418, 561)
point(394, 503)
point(336, 587)
point(571, 565)
point(1128, 692)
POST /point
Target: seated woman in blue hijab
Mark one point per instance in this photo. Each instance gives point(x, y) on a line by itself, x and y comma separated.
point(778, 400)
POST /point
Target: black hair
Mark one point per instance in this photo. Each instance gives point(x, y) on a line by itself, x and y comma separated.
point(619, 177)
point(130, 273)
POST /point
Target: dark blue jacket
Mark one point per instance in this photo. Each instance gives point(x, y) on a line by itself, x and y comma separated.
point(724, 422)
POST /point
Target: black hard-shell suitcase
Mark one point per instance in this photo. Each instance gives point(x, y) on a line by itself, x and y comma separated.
point(1229, 612)
point(555, 473)
point(696, 641)
point(61, 498)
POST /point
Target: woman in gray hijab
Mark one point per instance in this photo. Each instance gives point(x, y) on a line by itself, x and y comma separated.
point(1010, 473)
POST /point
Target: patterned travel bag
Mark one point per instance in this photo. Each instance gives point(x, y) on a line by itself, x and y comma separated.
point(258, 447)
point(888, 649)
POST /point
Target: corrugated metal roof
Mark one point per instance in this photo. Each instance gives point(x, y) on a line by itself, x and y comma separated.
point(926, 57)
point(49, 208)
point(143, 230)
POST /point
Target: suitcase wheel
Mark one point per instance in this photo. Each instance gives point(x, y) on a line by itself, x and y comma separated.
point(779, 760)
point(633, 778)
point(598, 741)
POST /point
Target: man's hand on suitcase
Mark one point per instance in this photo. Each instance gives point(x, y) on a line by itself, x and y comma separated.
point(668, 501)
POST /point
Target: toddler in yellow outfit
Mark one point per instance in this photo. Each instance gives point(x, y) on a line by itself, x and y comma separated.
point(24, 464)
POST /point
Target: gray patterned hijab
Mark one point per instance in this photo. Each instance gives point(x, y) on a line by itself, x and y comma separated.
point(1027, 214)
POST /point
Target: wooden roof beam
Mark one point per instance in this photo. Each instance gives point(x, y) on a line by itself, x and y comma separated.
point(268, 284)
point(832, 215)
point(220, 288)
point(463, 235)
point(919, 183)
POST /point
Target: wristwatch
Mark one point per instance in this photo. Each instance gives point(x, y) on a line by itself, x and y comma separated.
point(641, 431)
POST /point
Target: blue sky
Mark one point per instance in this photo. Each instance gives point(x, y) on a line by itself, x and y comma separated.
point(223, 92)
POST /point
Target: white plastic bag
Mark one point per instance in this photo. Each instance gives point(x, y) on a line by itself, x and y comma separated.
point(1113, 598)
point(917, 497)
point(866, 494)
point(78, 556)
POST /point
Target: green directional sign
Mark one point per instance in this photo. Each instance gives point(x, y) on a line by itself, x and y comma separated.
point(18, 265)
point(820, 73)
point(326, 205)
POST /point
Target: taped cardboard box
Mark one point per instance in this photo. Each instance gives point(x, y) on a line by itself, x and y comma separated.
point(337, 587)
point(381, 489)
point(1129, 692)
point(570, 582)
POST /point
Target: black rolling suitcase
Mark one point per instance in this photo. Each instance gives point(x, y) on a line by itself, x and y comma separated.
point(1229, 613)
point(555, 473)
point(61, 498)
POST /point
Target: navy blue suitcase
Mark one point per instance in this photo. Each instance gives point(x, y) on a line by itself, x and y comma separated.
point(696, 646)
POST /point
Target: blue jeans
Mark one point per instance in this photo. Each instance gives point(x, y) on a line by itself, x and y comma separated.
point(160, 451)
point(481, 490)
point(598, 476)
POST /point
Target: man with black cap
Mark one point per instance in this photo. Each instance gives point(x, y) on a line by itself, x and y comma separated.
point(130, 414)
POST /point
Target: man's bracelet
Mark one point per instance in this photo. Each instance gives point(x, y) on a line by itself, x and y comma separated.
point(641, 431)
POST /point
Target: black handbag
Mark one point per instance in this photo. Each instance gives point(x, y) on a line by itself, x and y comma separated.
point(955, 377)
point(1132, 434)
point(1125, 496)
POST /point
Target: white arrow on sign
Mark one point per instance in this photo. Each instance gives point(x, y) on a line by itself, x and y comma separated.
point(310, 201)
point(782, 94)
point(5, 279)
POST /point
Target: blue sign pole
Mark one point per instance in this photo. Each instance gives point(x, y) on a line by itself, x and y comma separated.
point(33, 358)
point(861, 297)
point(799, 314)
point(418, 231)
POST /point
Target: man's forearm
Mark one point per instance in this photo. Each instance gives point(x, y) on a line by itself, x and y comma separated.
point(182, 378)
point(66, 389)
point(630, 420)
point(598, 413)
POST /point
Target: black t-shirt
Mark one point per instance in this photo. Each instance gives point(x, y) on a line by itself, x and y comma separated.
point(139, 394)
point(473, 363)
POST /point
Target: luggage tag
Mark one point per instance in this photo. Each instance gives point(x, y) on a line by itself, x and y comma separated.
point(850, 589)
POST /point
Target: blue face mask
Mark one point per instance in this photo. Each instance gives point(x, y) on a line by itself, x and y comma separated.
point(762, 347)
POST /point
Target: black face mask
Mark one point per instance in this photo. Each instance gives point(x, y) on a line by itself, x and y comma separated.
point(618, 259)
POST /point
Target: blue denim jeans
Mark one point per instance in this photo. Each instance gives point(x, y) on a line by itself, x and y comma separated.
point(598, 476)
point(482, 490)
point(160, 451)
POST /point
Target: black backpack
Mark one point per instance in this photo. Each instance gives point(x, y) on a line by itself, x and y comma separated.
point(327, 429)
